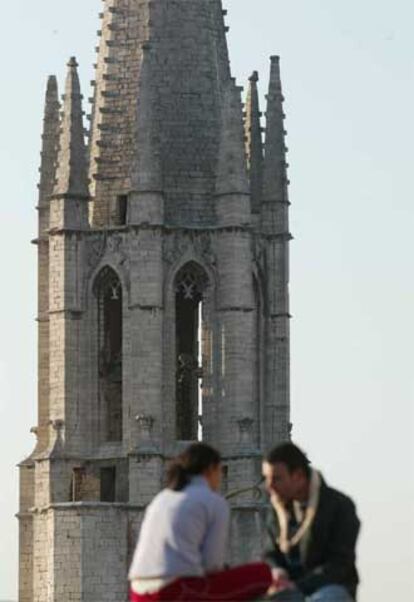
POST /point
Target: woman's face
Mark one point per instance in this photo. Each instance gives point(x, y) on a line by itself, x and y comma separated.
point(213, 476)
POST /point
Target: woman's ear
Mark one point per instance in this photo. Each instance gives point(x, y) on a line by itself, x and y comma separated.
point(213, 476)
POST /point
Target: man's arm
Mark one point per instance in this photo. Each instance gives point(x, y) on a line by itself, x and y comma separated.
point(272, 553)
point(339, 566)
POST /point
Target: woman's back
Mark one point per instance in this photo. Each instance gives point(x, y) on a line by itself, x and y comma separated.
point(184, 533)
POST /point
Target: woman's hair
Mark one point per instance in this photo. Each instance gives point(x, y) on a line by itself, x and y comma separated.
point(193, 461)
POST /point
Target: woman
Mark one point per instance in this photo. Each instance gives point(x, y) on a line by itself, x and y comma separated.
point(183, 540)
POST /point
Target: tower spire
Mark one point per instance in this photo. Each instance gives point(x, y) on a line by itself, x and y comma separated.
point(275, 227)
point(72, 175)
point(190, 71)
point(50, 143)
point(254, 142)
point(275, 181)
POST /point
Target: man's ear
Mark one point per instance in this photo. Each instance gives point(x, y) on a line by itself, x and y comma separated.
point(298, 474)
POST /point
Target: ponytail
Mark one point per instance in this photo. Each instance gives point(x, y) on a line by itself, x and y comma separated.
point(177, 476)
point(195, 460)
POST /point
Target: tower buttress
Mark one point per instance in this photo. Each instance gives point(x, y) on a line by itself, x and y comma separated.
point(50, 138)
point(238, 407)
point(50, 145)
point(68, 221)
point(146, 217)
point(254, 143)
point(275, 228)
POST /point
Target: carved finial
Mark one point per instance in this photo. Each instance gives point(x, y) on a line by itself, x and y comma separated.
point(145, 424)
point(246, 430)
point(275, 168)
point(254, 142)
point(57, 439)
point(71, 175)
point(49, 153)
point(275, 181)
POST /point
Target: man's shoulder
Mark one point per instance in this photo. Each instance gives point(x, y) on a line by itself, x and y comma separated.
point(338, 498)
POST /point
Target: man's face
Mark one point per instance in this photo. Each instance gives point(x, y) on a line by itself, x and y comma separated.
point(279, 480)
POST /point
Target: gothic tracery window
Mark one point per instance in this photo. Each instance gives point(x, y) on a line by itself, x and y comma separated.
point(108, 291)
point(190, 285)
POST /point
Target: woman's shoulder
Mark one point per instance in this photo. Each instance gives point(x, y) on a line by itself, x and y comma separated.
point(163, 498)
point(195, 491)
point(215, 502)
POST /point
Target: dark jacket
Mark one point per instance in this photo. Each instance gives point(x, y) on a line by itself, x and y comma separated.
point(329, 557)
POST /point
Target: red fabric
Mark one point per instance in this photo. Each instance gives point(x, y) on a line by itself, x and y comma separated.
point(240, 584)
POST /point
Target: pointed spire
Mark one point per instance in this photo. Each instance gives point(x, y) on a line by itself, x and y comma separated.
point(183, 96)
point(50, 142)
point(146, 173)
point(254, 142)
point(232, 167)
point(71, 176)
point(275, 181)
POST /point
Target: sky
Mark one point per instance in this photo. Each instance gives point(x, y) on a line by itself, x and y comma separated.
point(348, 76)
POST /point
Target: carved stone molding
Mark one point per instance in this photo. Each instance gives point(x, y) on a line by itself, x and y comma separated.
point(95, 250)
point(177, 244)
point(246, 430)
point(112, 244)
point(145, 424)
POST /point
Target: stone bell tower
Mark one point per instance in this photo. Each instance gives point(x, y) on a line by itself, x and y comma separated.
point(163, 292)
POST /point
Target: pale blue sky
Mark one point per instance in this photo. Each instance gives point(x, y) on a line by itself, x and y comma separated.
point(348, 72)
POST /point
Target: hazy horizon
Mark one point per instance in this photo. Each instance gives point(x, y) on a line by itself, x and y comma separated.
point(348, 78)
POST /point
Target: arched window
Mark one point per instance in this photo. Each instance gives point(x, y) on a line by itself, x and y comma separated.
point(108, 291)
point(190, 285)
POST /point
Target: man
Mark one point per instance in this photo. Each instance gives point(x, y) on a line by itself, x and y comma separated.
point(313, 530)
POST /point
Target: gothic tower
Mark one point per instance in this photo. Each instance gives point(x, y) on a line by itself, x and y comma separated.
point(163, 293)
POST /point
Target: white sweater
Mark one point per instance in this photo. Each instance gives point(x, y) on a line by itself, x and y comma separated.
point(184, 534)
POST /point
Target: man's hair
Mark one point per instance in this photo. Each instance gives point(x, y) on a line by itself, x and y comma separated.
point(291, 456)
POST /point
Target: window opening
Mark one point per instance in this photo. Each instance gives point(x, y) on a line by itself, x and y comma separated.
point(108, 484)
point(78, 476)
point(121, 209)
point(110, 353)
point(191, 283)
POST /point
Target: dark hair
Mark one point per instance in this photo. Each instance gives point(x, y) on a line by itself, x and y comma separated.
point(195, 460)
point(291, 456)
